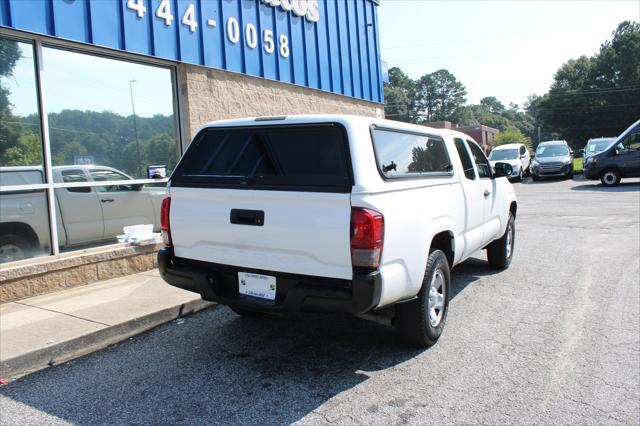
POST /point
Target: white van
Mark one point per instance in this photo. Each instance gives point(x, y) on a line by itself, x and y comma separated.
point(515, 154)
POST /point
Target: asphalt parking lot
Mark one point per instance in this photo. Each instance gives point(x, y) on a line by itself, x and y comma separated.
point(554, 339)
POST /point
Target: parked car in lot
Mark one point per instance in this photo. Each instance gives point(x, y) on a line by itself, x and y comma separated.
point(85, 214)
point(515, 154)
point(552, 159)
point(333, 213)
point(621, 159)
point(596, 145)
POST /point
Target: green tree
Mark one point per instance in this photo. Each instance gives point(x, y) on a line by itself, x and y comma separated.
point(492, 104)
point(511, 136)
point(595, 96)
point(438, 96)
point(399, 95)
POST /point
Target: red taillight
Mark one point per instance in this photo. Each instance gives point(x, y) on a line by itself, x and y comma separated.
point(165, 227)
point(367, 237)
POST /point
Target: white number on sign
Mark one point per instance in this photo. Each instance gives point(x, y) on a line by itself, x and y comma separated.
point(233, 30)
point(189, 18)
point(284, 46)
point(269, 45)
point(251, 35)
point(164, 12)
point(138, 6)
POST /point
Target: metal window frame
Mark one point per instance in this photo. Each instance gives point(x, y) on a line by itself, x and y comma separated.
point(37, 42)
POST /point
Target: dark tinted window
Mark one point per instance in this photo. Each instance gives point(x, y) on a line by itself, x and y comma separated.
point(291, 156)
point(484, 169)
point(632, 141)
point(522, 150)
point(406, 154)
point(74, 176)
point(467, 165)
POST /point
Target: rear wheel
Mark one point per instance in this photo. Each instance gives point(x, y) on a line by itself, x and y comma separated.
point(610, 177)
point(421, 321)
point(14, 247)
point(500, 252)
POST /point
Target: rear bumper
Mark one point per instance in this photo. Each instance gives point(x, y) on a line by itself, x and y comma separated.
point(294, 293)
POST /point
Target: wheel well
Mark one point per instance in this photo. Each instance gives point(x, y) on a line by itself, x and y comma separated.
point(513, 208)
point(613, 168)
point(21, 229)
point(444, 241)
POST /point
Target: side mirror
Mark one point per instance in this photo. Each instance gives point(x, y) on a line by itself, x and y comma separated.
point(137, 186)
point(533, 154)
point(581, 151)
point(502, 170)
point(570, 152)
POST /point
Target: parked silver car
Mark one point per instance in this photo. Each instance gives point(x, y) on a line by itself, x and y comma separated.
point(552, 159)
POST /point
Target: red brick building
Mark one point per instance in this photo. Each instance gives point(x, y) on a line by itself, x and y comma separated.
point(482, 134)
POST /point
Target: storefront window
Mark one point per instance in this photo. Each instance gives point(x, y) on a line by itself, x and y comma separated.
point(112, 125)
point(109, 112)
point(109, 121)
point(24, 215)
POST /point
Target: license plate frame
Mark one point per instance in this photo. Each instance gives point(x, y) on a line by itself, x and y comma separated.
point(257, 285)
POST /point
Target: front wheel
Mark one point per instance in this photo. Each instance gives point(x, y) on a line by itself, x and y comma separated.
point(610, 177)
point(500, 252)
point(421, 321)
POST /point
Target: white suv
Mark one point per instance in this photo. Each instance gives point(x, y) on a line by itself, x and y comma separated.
point(333, 213)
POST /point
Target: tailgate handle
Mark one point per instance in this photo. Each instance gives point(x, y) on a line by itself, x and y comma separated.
point(247, 217)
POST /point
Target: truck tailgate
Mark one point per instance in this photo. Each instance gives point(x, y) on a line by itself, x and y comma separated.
point(302, 233)
point(268, 197)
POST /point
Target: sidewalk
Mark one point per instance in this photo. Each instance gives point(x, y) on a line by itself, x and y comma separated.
point(53, 328)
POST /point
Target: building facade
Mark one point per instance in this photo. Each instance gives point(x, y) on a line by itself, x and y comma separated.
point(114, 90)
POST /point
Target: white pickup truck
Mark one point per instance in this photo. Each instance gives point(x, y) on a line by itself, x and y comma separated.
point(85, 214)
point(333, 213)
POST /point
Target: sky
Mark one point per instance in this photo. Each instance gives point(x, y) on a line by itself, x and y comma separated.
point(75, 81)
point(506, 49)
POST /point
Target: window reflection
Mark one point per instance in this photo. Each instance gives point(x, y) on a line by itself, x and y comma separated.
point(109, 112)
point(20, 141)
point(24, 215)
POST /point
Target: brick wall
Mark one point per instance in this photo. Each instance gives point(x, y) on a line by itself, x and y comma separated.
point(216, 95)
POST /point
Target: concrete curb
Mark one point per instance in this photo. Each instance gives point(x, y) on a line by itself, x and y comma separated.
point(62, 352)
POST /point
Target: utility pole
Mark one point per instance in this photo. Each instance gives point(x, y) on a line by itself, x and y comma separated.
point(135, 125)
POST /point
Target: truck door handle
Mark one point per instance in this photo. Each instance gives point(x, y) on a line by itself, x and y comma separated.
point(486, 193)
point(247, 217)
point(107, 200)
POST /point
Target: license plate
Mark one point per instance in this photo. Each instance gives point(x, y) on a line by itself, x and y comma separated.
point(256, 285)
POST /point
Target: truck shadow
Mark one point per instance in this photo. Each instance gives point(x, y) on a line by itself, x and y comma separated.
point(468, 272)
point(217, 367)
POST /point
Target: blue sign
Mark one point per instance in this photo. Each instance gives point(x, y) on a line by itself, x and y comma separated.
point(330, 45)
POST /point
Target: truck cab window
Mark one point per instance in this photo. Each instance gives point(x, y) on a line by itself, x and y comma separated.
point(73, 176)
point(484, 168)
point(110, 175)
point(467, 165)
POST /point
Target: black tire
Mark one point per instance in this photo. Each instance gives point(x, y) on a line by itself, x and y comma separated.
point(610, 177)
point(500, 252)
point(413, 318)
point(14, 247)
point(246, 313)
